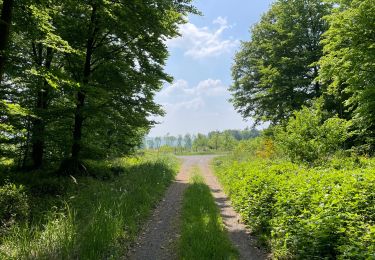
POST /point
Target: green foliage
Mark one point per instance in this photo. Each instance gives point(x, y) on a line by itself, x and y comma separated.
point(83, 76)
point(246, 149)
point(200, 143)
point(14, 206)
point(307, 137)
point(274, 72)
point(217, 141)
point(259, 147)
point(213, 142)
point(349, 60)
point(92, 218)
point(203, 232)
point(11, 135)
point(305, 213)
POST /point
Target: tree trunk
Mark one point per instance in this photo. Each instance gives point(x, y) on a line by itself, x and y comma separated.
point(78, 124)
point(26, 146)
point(39, 125)
point(5, 22)
point(81, 95)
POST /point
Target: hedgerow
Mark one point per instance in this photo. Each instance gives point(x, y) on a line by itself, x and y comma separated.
point(305, 213)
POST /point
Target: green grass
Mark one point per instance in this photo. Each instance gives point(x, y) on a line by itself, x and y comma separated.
point(92, 218)
point(203, 233)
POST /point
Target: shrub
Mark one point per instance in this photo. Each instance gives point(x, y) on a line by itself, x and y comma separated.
point(14, 205)
point(307, 137)
point(306, 213)
point(260, 147)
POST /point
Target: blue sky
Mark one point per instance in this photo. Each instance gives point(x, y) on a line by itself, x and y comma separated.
point(200, 62)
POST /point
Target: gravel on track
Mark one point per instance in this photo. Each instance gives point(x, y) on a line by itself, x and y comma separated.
point(158, 239)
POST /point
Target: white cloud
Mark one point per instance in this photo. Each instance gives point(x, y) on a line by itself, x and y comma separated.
point(180, 88)
point(202, 42)
point(211, 87)
point(221, 21)
point(193, 104)
point(196, 108)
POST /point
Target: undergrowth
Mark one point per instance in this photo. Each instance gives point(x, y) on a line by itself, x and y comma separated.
point(302, 212)
point(93, 217)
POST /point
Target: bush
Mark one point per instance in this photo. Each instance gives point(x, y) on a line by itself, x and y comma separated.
point(257, 147)
point(306, 213)
point(14, 205)
point(48, 186)
point(308, 138)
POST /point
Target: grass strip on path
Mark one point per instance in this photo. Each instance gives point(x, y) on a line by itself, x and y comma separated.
point(203, 232)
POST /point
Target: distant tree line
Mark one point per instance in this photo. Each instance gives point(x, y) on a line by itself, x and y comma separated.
point(215, 140)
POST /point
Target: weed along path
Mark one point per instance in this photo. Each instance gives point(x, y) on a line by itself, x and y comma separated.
point(159, 238)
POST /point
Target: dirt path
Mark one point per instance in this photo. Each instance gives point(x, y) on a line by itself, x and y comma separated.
point(159, 236)
point(237, 231)
point(158, 239)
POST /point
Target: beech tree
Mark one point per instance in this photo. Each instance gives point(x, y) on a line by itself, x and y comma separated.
point(30, 76)
point(81, 76)
point(120, 68)
point(274, 73)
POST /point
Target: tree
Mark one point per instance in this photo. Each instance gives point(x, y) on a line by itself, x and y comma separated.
point(172, 141)
point(120, 65)
point(249, 133)
point(89, 68)
point(214, 140)
point(188, 142)
point(167, 139)
point(349, 61)
point(47, 49)
point(228, 141)
point(200, 143)
point(179, 142)
point(150, 144)
point(274, 73)
point(32, 73)
point(11, 135)
point(5, 23)
point(157, 142)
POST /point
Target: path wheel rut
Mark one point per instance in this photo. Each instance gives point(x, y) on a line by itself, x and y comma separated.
point(158, 239)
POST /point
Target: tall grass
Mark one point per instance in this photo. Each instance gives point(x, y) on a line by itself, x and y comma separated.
point(98, 219)
point(203, 232)
point(52, 240)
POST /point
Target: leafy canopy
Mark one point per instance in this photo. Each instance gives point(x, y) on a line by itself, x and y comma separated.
point(348, 64)
point(274, 72)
